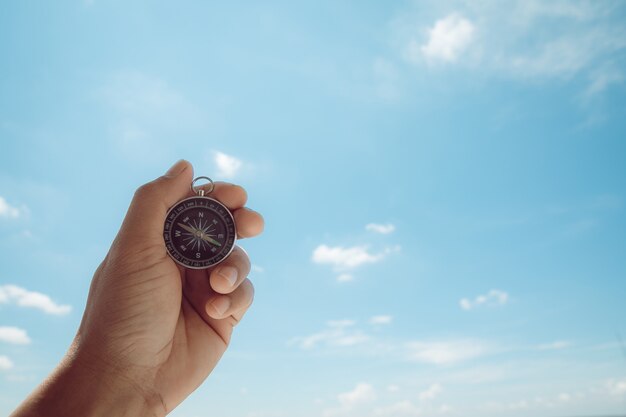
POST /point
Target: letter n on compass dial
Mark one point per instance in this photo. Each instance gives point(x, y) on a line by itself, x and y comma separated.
point(199, 232)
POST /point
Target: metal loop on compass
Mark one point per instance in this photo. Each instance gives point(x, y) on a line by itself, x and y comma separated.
point(201, 191)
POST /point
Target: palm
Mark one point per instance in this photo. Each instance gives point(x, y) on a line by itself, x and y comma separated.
point(194, 345)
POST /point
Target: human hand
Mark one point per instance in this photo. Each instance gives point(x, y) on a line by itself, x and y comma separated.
point(152, 330)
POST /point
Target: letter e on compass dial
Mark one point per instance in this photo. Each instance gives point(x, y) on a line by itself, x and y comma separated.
point(199, 232)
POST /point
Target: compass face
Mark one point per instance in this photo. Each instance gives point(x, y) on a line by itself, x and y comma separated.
point(199, 232)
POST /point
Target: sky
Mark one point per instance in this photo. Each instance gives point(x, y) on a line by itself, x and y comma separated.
point(443, 185)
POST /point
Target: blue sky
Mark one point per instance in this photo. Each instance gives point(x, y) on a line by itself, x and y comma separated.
point(442, 183)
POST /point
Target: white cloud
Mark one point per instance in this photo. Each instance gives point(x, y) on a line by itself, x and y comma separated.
point(447, 39)
point(14, 335)
point(527, 40)
point(346, 258)
point(362, 393)
point(617, 388)
point(384, 229)
point(444, 353)
point(492, 298)
point(339, 333)
point(227, 166)
point(257, 269)
point(381, 320)
point(25, 298)
point(352, 401)
point(8, 211)
point(431, 392)
point(5, 363)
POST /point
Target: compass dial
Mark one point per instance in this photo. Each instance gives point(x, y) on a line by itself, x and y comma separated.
point(199, 232)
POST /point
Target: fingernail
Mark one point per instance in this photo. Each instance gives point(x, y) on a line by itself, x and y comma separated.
point(229, 273)
point(177, 168)
point(220, 305)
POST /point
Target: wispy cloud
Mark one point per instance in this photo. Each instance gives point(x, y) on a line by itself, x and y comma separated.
point(227, 165)
point(377, 320)
point(363, 393)
point(345, 336)
point(524, 39)
point(5, 363)
point(557, 345)
point(384, 229)
point(146, 111)
point(431, 392)
point(401, 408)
point(345, 277)
point(8, 211)
point(445, 352)
point(492, 298)
point(387, 77)
point(346, 259)
point(617, 387)
point(14, 335)
point(257, 268)
point(338, 333)
point(12, 294)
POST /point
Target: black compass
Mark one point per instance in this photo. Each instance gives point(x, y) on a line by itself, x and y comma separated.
point(199, 231)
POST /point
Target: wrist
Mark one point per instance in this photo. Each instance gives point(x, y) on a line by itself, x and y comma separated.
point(80, 386)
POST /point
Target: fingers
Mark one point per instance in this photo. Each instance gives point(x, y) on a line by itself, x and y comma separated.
point(218, 302)
point(229, 274)
point(147, 211)
point(231, 195)
point(249, 222)
point(220, 306)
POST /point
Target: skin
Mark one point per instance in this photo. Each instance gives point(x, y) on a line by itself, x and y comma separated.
point(152, 331)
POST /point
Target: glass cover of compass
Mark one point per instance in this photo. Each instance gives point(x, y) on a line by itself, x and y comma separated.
point(199, 232)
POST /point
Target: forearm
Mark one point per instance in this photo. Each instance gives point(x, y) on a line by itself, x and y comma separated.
point(75, 389)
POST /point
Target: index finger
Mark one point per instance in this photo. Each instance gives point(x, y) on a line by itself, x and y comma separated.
point(231, 195)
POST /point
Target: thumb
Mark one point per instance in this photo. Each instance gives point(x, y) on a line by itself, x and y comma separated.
point(143, 224)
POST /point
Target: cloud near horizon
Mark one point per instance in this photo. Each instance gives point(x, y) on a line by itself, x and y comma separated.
point(8, 211)
point(14, 335)
point(12, 294)
point(492, 298)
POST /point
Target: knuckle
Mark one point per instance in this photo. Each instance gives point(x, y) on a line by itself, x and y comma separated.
point(149, 189)
point(144, 190)
point(248, 289)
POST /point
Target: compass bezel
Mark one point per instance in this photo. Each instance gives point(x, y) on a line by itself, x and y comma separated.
point(214, 208)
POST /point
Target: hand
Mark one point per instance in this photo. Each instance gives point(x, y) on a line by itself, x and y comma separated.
point(152, 330)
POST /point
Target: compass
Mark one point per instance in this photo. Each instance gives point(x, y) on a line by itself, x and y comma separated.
point(199, 231)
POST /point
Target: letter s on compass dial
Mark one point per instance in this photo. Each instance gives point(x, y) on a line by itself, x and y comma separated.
point(199, 232)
